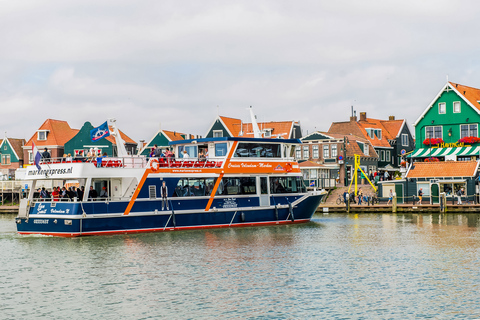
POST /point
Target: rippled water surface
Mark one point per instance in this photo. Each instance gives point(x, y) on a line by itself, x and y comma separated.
point(336, 267)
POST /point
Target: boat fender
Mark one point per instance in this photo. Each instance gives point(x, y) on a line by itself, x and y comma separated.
point(154, 167)
point(242, 216)
point(290, 208)
point(276, 212)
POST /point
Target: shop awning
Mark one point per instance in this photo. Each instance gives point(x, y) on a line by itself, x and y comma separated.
point(442, 152)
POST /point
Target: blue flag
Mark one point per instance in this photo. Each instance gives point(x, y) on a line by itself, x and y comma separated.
point(100, 132)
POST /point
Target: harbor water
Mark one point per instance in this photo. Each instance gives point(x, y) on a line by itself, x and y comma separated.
point(336, 267)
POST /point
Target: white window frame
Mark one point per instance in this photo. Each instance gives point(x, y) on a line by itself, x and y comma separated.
point(441, 132)
point(379, 136)
point(42, 135)
point(457, 103)
point(469, 134)
point(315, 152)
point(334, 151)
point(370, 132)
point(6, 157)
point(326, 151)
point(442, 106)
point(298, 152)
point(387, 156)
point(267, 133)
point(404, 140)
point(30, 156)
point(306, 152)
point(382, 155)
point(217, 133)
point(366, 149)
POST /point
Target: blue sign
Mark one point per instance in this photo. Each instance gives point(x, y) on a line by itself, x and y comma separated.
point(403, 152)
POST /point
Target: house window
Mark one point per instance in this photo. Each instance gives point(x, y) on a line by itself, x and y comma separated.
point(326, 151)
point(456, 107)
point(366, 150)
point(267, 133)
point(433, 132)
point(404, 139)
point(468, 130)
point(442, 108)
point(378, 133)
point(298, 152)
point(387, 158)
point(5, 147)
point(382, 155)
point(315, 152)
point(370, 132)
point(217, 133)
point(42, 135)
point(306, 154)
point(30, 157)
point(5, 159)
point(334, 150)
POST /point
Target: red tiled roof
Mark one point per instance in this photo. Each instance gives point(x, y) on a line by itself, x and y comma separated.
point(280, 129)
point(469, 93)
point(175, 136)
point(310, 164)
point(352, 145)
point(233, 125)
point(59, 132)
point(443, 169)
point(393, 127)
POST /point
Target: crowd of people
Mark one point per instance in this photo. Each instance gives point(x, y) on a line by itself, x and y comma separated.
point(70, 193)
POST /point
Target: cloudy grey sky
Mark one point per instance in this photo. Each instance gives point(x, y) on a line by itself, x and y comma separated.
point(172, 63)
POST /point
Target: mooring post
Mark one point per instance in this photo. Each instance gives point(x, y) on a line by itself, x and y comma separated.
point(394, 203)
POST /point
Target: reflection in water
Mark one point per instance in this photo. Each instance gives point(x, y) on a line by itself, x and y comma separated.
point(338, 266)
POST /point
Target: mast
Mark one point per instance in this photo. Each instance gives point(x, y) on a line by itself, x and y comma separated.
point(256, 131)
point(121, 151)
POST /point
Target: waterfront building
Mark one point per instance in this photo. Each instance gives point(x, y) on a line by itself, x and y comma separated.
point(390, 138)
point(231, 127)
point(448, 127)
point(11, 154)
point(324, 158)
point(79, 145)
point(162, 138)
point(52, 134)
point(434, 178)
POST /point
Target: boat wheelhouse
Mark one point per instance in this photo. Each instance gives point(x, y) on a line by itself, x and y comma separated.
point(211, 183)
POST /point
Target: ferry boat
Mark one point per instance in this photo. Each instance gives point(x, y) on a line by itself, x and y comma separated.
point(240, 182)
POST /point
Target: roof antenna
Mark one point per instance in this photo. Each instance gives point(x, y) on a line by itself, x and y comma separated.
point(447, 77)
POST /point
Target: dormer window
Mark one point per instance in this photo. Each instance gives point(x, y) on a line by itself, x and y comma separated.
point(378, 133)
point(42, 135)
point(374, 132)
point(370, 132)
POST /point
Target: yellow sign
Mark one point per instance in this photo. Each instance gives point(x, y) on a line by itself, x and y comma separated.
point(452, 145)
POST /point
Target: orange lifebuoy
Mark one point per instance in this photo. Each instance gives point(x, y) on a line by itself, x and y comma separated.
point(152, 167)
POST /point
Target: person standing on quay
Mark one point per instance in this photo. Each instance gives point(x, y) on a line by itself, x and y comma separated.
point(420, 195)
point(459, 196)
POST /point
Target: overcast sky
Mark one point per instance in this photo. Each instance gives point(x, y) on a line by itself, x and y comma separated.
point(179, 63)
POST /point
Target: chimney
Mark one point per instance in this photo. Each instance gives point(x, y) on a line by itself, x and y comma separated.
point(353, 119)
point(363, 116)
point(391, 118)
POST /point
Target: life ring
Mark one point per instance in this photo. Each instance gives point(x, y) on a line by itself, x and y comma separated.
point(152, 167)
point(288, 167)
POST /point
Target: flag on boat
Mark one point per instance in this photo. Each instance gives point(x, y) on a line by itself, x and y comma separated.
point(100, 132)
point(312, 184)
point(36, 156)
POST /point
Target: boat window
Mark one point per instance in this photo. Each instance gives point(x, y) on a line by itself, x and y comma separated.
point(263, 185)
point(287, 185)
point(220, 149)
point(191, 150)
point(237, 186)
point(194, 187)
point(258, 150)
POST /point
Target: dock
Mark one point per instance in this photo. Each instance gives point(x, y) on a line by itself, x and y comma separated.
point(401, 208)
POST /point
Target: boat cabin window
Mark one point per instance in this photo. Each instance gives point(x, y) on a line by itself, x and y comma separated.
point(258, 150)
point(194, 187)
point(191, 151)
point(287, 185)
point(220, 149)
point(237, 186)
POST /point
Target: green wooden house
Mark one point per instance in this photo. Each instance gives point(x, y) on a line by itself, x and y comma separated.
point(448, 128)
point(161, 139)
point(11, 154)
point(79, 145)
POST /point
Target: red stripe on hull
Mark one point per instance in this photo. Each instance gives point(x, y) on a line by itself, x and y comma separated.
point(248, 224)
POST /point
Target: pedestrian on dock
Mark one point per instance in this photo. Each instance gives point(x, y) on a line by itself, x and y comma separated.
point(390, 197)
point(420, 195)
point(459, 196)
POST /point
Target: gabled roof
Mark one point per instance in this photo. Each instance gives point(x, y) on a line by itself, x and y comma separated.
point(278, 129)
point(125, 138)
point(310, 164)
point(16, 145)
point(470, 95)
point(169, 135)
point(59, 132)
point(390, 130)
point(443, 169)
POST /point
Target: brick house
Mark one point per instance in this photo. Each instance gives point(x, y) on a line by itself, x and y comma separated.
point(334, 154)
point(52, 134)
point(11, 154)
